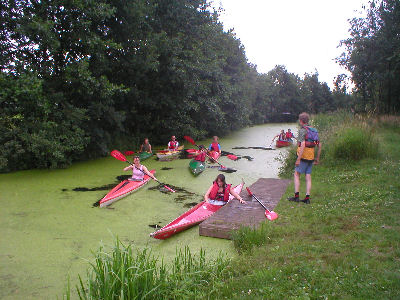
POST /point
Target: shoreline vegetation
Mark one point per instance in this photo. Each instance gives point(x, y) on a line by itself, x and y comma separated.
point(345, 244)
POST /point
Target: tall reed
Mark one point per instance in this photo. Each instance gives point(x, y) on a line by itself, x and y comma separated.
point(125, 273)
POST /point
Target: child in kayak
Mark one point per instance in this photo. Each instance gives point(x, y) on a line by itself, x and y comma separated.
point(145, 147)
point(173, 144)
point(281, 137)
point(202, 155)
point(138, 170)
point(215, 146)
point(218, 193)
point(290, 136)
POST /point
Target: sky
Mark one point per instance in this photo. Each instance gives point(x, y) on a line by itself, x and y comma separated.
point(303, 35)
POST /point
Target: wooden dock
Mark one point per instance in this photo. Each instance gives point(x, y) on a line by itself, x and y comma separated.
point(233, 215)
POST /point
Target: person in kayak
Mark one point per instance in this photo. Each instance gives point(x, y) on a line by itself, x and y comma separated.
point(202, 155)
point(215, 146)
point(218, 193)
point(290, 135)
point(281, 137)
point(173, 144)
point(145, 147)
point(138, 170)
point(307, 141)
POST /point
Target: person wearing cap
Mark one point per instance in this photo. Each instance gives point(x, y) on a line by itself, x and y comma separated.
point(138, 170)
point(173, 144)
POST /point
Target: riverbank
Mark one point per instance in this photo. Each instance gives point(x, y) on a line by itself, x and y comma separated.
point(345, 244)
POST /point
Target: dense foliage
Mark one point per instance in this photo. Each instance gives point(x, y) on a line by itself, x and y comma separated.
point(81, 77)
point(373, 57)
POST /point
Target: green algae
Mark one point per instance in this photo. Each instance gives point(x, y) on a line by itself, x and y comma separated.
point(49, 230)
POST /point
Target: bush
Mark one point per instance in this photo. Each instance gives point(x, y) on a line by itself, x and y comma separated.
point(353, 144)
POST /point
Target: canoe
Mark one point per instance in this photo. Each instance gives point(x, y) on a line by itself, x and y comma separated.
point(123, 189)
point(280, 144)
point(193, 216)
point(166, 155)
point(144, 155)
point(213, 154)
point(196, 167)
point(190, 153)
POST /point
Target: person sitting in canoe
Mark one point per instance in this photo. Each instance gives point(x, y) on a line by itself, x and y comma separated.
point(145, 147)
point(289, 135)
point(215, 146)
point(218, 193)
point(173, 144)
point(201, 156)
point(138, 170)
point(281, 137)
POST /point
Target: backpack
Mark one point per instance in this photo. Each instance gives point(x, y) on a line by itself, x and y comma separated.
point(312, 138)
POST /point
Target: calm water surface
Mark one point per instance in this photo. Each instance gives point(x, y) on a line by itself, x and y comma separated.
point(48, 230)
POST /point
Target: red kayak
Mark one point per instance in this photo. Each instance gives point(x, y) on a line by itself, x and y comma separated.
point(192, 152)
point(193, 216)
point(213, 154)
point(280, 144)
point(123, 189)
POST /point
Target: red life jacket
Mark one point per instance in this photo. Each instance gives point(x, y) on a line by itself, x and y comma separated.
point(289, 135)
point(200, 157)
point(214, 146)
point(172, 144)
point(214, 192)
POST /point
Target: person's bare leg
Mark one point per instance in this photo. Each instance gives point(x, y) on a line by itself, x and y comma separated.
point(296, 182)
point(308, 184)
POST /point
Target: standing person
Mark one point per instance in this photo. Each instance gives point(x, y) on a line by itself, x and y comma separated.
point(281, 136)
point(289, 135)
point(307, 141)
point(145, 147)
point(219, 191)
point(138, 170)
point(173, 144)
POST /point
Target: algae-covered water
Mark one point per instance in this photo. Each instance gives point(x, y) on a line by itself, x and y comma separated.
point(49, 227)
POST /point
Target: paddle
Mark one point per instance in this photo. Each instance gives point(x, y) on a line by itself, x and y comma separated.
point(271, 215)
point(128, 153)
point(190, 140)
point(118, 155)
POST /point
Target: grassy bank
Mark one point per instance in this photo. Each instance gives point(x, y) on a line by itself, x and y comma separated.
point(344, 245)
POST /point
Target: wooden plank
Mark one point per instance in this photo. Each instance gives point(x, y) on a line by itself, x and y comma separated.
point(233, 215)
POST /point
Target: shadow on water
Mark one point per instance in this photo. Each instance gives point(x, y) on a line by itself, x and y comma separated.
point(166, 168)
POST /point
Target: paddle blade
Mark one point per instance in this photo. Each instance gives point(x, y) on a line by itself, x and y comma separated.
point(232, 157)
point(118, 155)
point(248, 190)
point(271, 215)
point(189, 139)
point(128, 153)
